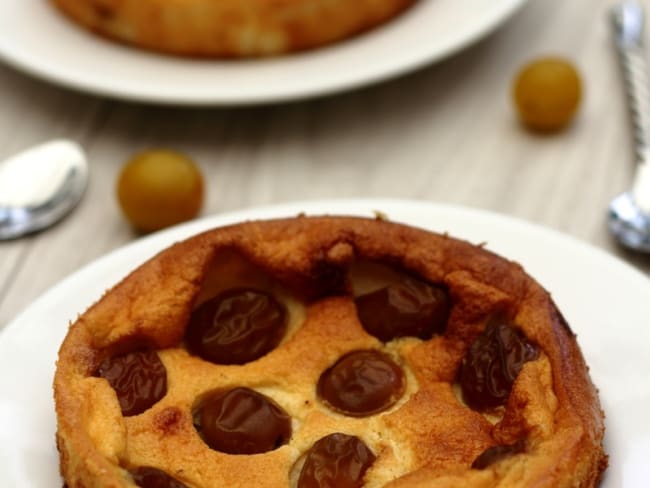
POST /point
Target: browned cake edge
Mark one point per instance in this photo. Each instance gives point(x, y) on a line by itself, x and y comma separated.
point(230, 28)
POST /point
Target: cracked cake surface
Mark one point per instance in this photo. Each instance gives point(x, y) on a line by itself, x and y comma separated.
point(326, 351)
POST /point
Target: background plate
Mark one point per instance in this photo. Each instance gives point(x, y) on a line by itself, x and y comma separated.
point(604, 300)
point(37, 39)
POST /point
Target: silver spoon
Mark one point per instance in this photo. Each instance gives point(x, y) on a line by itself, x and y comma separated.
point(629, 213)
point(39, 186)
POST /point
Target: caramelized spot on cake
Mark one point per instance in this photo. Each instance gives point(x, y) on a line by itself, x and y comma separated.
point(168, 420)
point(103, 11)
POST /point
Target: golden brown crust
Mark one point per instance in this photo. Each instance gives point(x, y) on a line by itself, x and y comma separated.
point(230, 28)
point(430, 438)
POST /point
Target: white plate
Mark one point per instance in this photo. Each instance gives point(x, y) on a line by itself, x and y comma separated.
point(37, 39)
point(605, 301)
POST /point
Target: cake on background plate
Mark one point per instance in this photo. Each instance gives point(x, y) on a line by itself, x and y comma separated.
point(230, 28)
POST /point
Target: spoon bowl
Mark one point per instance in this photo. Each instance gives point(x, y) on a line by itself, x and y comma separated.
point(40, 186)
point(628, 223)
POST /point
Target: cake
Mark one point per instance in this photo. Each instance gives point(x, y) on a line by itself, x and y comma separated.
point(230, 28)
point(326, 352)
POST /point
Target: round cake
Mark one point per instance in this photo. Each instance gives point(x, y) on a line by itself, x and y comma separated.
point(326, 352)
point(230, 28)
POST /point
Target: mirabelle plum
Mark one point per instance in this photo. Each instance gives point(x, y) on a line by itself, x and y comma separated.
point(547, 93)
point(159, 188)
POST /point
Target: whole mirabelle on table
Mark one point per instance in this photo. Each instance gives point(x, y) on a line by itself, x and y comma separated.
point(547, 93)
point(159, 188)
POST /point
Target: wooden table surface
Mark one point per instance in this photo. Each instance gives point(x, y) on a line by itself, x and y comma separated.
point(446, 133)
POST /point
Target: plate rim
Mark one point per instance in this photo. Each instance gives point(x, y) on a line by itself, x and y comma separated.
point(16, 58)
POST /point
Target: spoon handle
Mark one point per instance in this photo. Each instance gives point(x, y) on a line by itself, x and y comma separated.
point(628, 20)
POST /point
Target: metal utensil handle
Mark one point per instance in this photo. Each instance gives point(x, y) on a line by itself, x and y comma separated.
point(628, 24)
